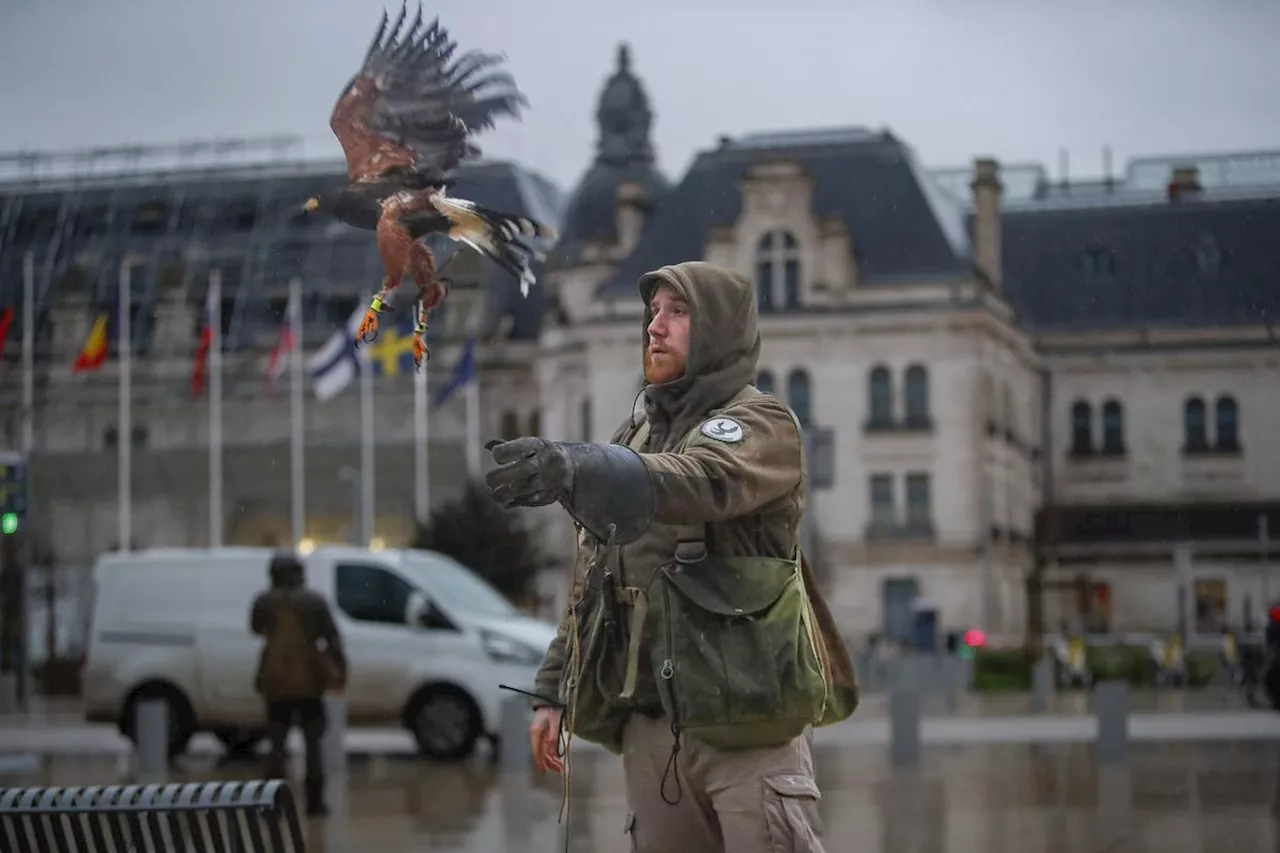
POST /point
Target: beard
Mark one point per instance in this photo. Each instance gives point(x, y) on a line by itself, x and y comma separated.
point(656, 373)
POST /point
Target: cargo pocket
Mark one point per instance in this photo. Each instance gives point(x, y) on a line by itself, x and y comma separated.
point(791, 814)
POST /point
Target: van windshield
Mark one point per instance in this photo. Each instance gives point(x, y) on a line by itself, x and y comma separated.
point(456, 587)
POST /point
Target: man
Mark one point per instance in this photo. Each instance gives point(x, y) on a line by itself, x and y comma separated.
point(695, 643)
point(293, 671)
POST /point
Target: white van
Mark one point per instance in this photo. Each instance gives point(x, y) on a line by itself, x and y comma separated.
point(428, 642)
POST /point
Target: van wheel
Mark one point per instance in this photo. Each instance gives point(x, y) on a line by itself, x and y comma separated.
point(445, 722)
point(182, 723)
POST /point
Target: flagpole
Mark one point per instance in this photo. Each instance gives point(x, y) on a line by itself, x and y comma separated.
point(472, 392)
point(28, 353)
point(215, 409)
point(421, 448)
point(297, 435)
point(366, 451)
point(124, 435)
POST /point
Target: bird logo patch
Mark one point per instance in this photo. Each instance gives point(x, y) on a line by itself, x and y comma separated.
point(723, 429)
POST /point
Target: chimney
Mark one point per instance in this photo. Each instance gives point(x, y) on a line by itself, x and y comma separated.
point(987, 193)
point(632, 208)
point(1185, 181)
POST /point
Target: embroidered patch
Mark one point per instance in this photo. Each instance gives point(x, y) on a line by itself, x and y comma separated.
point(723, 429)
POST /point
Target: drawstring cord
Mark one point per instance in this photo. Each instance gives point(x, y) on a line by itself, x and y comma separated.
point(673, 767)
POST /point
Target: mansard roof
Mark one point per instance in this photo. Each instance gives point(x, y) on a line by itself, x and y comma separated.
point(902, 224)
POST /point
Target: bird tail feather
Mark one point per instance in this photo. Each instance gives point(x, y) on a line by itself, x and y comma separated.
point(496, 235)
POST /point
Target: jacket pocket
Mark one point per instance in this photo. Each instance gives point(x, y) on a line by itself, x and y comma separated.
point(737, 666)
point(791, 814)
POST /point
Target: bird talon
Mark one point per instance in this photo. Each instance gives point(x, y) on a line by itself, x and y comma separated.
point(420, 353)
point(368, 328)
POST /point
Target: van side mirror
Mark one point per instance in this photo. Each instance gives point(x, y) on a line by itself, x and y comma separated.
point(417, 610)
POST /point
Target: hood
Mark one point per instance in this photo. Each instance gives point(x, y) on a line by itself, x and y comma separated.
point(526, 629)
point(724, 342)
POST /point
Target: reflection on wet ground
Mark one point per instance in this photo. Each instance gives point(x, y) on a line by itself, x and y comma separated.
point(1013, 798)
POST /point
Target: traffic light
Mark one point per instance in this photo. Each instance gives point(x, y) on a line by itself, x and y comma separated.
point(13, 493)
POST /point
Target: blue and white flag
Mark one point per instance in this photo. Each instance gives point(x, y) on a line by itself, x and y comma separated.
point(336, 364)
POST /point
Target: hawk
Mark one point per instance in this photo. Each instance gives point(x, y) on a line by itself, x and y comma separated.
point(405, 121)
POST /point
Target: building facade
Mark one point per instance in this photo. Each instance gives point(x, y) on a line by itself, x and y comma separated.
point(1029, 402)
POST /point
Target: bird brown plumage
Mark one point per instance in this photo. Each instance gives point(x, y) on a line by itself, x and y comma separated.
point(404, 122)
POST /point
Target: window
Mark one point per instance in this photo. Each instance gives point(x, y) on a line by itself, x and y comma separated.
point(457, 588)
point(777, 260)
point(883, 516)
point(1211, 606)
point(916, 396)
point(372, 594)
point(764, 382)
point(1225, 422)
point(919, 511)
point(1081, 428)
point(1112, 428)
point(510, 426)
point(1194, 428)
point(586, 418)
point(880, 398)
point(535, 422)
point(799, 396)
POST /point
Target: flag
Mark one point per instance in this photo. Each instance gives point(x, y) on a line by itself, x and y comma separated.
point(463, 372)
point(6, 323)
point(94, 352)
point(333, 367)
point(283, 347)
point(202, 349)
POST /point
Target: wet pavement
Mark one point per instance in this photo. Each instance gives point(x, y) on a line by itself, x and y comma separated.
point(1191, 795)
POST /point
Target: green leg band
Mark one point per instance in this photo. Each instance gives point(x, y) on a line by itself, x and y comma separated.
point(378, 305)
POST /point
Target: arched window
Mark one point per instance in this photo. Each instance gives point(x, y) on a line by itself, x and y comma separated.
point(764, 382)
point(880, 398)
point(799, 396)
point(535, 422)
point(1112, 428)
point(916, 396)
point(1195, 430)
point(1081, 428)
point(777, 264)
point(1225, 421)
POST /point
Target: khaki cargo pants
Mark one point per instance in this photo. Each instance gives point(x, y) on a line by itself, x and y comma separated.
point(748, 801)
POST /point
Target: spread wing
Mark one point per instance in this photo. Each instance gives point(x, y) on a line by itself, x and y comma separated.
point(412, 107)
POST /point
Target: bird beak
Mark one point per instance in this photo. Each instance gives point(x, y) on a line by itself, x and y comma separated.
point(313, 203)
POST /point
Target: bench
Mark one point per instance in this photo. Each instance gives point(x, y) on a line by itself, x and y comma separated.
point(198, 817)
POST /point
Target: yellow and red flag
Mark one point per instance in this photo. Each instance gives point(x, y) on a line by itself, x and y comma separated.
point(94, 352)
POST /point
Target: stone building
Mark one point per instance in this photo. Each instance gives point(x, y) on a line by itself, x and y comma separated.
point(1009, 383)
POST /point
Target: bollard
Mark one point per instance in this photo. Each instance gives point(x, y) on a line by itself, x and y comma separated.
point(334, 750)
point(514, 750)
point(1041, 684)
point(515, 761)
point(8, 692)
point(1111, 705)
point(904, 716)
point(151, 728)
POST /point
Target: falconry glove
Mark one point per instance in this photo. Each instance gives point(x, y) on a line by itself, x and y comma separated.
point(601, 485)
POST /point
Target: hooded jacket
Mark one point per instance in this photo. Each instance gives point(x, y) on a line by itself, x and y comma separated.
point(741, 474)
point(293, 619)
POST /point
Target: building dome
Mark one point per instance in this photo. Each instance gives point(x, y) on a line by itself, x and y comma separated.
point(624, 152)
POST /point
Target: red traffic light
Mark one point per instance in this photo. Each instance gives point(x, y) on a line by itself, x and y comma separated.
point(975, 638)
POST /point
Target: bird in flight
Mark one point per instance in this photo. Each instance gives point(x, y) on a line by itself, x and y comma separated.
point(405, 121)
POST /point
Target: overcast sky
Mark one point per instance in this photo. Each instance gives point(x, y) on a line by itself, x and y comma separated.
point(1019, 79)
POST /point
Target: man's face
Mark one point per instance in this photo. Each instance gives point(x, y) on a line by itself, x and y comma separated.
point(668, 348)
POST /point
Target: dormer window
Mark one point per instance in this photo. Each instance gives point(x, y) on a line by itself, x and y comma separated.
point(777, 271)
